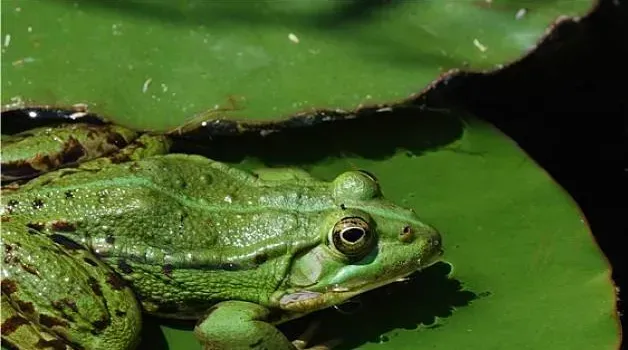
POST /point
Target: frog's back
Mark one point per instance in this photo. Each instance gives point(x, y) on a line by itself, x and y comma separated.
point(163, 201)
point(180, 218)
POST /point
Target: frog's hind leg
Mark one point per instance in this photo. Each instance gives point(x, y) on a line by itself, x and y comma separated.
point(18, 332)
point(37, 151)
point(57, 294)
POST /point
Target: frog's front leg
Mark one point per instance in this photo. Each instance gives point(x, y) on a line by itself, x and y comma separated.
point(240, 325)
point(57, 295)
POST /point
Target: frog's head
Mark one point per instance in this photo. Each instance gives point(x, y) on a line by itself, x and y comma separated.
point(367, 242)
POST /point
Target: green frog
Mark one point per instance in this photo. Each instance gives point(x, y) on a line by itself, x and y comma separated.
point(101, 223)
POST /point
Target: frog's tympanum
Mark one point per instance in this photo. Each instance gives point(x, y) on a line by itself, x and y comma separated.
point(100, 224)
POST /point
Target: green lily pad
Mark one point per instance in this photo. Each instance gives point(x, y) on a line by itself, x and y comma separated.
point(522, 269)
point(156, 63)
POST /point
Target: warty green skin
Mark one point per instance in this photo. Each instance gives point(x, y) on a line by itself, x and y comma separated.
point(86, 249)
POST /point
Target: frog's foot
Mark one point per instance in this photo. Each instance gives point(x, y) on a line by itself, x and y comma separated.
point(301, 342)
point(236, 325)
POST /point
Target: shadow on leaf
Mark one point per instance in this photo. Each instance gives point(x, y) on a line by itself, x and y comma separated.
point(413, 130)
point(300, 140)
point(418, 302)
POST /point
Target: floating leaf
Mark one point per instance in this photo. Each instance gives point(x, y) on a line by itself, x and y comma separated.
point(153, 64)
point(525, 270)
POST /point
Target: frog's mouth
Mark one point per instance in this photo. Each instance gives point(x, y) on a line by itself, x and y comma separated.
point(306, 301)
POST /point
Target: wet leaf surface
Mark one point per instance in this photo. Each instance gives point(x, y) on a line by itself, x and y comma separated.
point(155, 64)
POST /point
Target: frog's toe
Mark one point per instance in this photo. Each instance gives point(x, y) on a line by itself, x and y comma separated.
point(328, 345)
point(302, 341)
point(305, 337)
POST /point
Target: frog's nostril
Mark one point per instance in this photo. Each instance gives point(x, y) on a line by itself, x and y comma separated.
point(407, 234)
point(436, 244)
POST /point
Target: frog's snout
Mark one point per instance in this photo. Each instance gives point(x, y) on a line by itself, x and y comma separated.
point(430, 238)
point(437, 246)
point(409, 233)
point(435, 243)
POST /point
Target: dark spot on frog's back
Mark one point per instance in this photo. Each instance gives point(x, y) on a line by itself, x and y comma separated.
point(109, 239)
point(8, 286)
point(100, 325)
point(26, 307)
point(63, 226)
point(66, 242)
point(93, 284)
point(38, 203)
point(51, 321)
point(12, 204)
point(115, 282)
point(260, 258)
point(90, 261)
point(72, 151)
point(120, 313)
point(35, 226)
point(167, 270)
point(30, 269)
point(65, 302)
point(124, 267)
point(119, 157)
point(116, 139)
point(8, 249)
point(20, 169)
point(11, 324)
point(69, 194)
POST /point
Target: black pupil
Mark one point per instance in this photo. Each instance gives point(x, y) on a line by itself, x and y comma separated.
point(353, 235)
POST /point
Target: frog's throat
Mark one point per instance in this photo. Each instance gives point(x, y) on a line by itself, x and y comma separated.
point(304, 301)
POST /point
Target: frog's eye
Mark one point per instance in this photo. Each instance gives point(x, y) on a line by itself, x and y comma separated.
point(352, 237)
point(369, 175)
point(357, 185)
